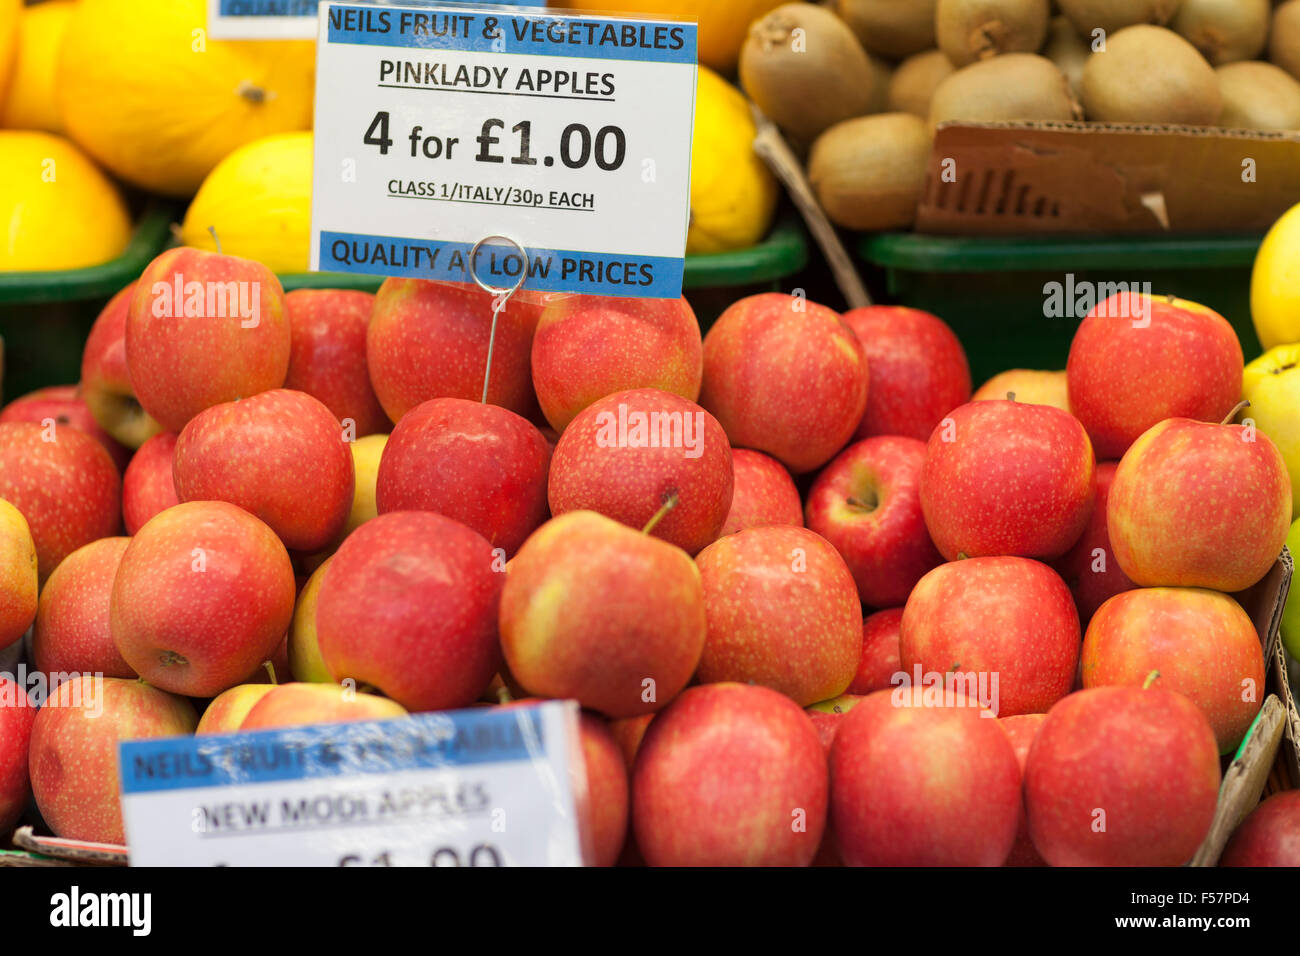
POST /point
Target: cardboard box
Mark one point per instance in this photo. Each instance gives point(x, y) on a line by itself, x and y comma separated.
point(1269, 759)
point(1088, 178)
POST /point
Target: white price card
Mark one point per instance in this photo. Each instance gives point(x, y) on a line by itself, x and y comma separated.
point(481, 787)
point(440, 126)
point(281, 19)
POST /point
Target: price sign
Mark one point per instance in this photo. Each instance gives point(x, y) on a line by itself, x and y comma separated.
point(441, 126)
point(485, 787)
point(280, 19)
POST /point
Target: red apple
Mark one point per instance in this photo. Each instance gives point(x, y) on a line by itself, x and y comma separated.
point(1121, 776)
point(1270, 836)
point(229, 708)
point(64, 405)
point(867, 503)
point(203, 595)
point(18, 579)
point(254, 453)
point(148, 486)
point(1006, 478)
point(203, 329)
point(327, 358)
point(887, 806)
point(918, 369)
point(65, 485)
point(482, 465)
point(17, 713)
point(609, 616)
point(105, 381)
point(408, 605)
point(881, 656)
point(785, 376)
point(632, 453)
point(590, 346)
point(763, 493)
point(430, 340)
point(1006, 624)
point(299, 705)
point(730, 775)
point(1090, 568)
point(72, 633)
point(1200, 506)
point(73, 755)
point(783, 612)
point(1137, 360)
point(1029, 386)
point(607, 790)
point(1022, 729)
point(1201, 642)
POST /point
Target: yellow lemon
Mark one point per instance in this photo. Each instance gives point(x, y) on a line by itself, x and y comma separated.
point(57, 210)
point(722, 23)
point(144, 91)
point(29, 104)
point(1275, 283)
point(732, 192)
point(258, 200)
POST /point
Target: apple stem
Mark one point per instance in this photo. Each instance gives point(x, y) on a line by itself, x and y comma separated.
point(1235, 409)
point(857, 504)
point(1151, 679)
point(504, 696)
point(212, 231)
point(658, 516)
point(270, 671)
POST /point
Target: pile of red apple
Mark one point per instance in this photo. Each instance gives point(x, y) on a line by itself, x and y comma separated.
point(816, 603)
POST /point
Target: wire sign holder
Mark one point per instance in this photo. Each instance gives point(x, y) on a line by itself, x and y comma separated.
point(500, 295)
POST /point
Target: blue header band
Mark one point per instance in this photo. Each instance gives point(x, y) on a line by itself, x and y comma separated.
point(422, 741)
point(549, 270)
point(308, 8)
point(474, 30)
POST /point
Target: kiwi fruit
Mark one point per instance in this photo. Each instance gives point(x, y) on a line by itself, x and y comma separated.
point(806, 71)
point(868, 173)
point(970, 30)
point(894, 29)
point(915, 80)
point(1014, 86)
point(1225, 31)
point(1258, 96)
point(1115, 15)
point(1068, 51)
point(1149, 74)
point(1284, 38)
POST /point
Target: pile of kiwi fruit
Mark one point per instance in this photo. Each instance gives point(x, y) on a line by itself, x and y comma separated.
point(858, 86)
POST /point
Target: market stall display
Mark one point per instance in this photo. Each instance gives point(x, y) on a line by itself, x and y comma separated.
point(630, 532)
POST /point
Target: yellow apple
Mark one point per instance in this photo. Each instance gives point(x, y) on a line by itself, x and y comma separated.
point(17, 575)
point(305, 662)
point(1272, 386)
point(1275, 283)
point(1029, 386)
point(228, 710)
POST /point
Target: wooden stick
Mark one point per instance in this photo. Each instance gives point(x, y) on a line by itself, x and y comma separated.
point(776, 152)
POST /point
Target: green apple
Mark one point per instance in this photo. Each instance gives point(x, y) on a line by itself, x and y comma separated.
point(1291, 613)
point(1272, 386)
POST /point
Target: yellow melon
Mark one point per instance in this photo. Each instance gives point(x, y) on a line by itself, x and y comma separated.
point(57, 209)
point(143, 89)
point(29, 102)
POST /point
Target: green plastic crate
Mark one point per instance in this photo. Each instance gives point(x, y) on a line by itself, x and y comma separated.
point(45, 316)
point(711, 282)
point(990, 289)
